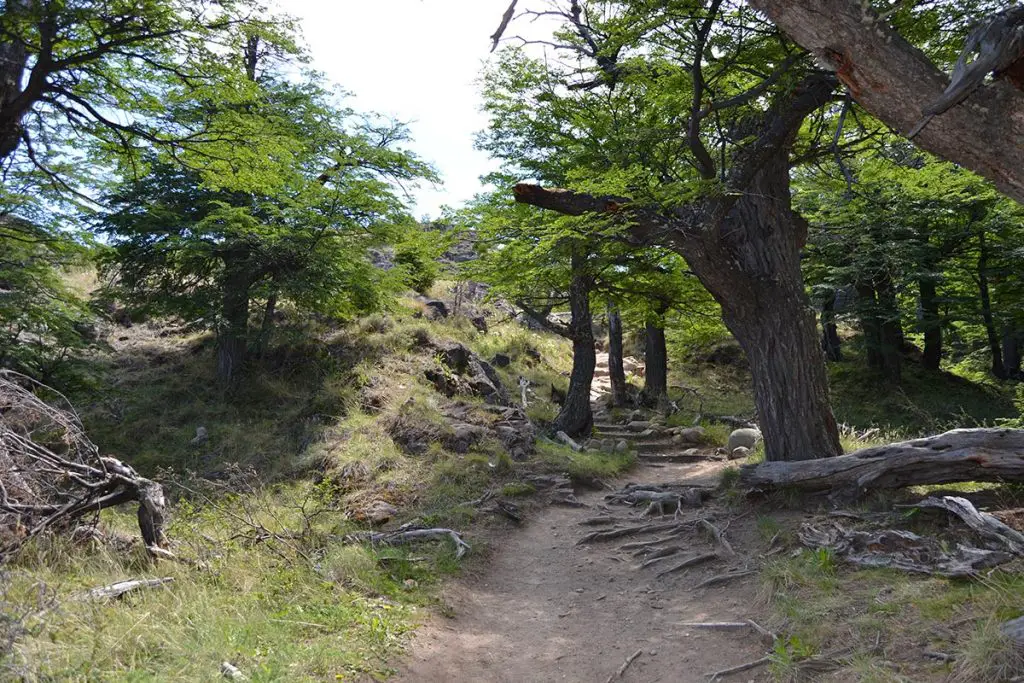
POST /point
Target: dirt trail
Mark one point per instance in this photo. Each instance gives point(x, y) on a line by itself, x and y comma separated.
point(545, 609)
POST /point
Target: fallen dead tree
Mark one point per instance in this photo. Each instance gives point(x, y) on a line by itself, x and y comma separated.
point(51, 474)
point(991, 454)
point(404, 537)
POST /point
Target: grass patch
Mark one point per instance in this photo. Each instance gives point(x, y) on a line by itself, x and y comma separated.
point(583, 466)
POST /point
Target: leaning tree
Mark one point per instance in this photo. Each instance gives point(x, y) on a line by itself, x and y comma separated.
point(680, 122)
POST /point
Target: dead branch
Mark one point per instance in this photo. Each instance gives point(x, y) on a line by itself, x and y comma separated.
point(900, 550)
point(625, 665)
point(719, 536)
point(717, 625)
point(51, 474)
point(117, 590)
point(414, 536)
point(736, 669)
point(982, 522)
point(988, 454)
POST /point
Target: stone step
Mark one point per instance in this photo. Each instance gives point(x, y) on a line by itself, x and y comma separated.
point(675, 457)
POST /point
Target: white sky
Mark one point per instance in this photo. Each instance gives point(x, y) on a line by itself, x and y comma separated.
point(414, 60)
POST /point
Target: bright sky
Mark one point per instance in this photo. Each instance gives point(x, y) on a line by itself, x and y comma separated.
point(414, 60)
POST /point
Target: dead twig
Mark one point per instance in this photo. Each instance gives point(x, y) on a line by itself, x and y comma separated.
point(119, 589)
point(625, 665)
point(738, 668)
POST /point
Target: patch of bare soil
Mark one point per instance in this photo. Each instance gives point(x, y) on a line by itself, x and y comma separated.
point(548, 609)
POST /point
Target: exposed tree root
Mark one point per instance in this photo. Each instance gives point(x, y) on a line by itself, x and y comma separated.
point(737, 669)
point(627, 531)
point(722, 578)
point(690, 562)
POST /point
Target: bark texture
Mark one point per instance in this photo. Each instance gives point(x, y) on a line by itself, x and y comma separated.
point(655, 392)
point(960, 455)
point(576, 417)
point(931, 323)
point(616, 372)
point(895, 81)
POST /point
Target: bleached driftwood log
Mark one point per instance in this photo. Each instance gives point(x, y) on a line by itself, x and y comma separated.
point(990, 454)
point(414, 536)
point(51, 474)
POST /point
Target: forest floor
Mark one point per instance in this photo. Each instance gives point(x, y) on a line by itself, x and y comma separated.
point(546, 608)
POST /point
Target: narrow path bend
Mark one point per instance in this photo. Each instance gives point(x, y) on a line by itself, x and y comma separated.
point(547, 609)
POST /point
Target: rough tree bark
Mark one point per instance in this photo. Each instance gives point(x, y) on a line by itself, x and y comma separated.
point(988, 454)
point(616, 372)
point(655, 391)
point(744, 247)
point(576, 417)
point(894, 80)
point(1012, 339)
point(233, 335)
point(931, 323)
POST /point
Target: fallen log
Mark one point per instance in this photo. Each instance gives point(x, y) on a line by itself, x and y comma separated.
point(989, 454)
point(982, 522)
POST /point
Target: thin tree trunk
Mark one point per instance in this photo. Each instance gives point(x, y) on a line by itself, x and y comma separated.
point(870, 326)
point(616, 373)
point(267, 326)
point(830, 342)
point(576, 417)
point(1011, 351)
point(655, 392)
point(891, 329)
point(233, 335)
point(931, 323)
point(998, 370)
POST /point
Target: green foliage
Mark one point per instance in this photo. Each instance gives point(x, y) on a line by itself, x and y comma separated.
point(417, 252)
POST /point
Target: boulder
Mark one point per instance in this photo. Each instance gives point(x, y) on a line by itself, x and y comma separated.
point(621, 446)
point(638, 426)
point(501, 360)
point(380, 512)
point(739, 452)
point(636, 416)
point(465, 435)
point(746, 438)
point(608, 445)
point(693, 435)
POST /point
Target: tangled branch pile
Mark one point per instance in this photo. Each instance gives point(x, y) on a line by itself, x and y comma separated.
point(51, 474)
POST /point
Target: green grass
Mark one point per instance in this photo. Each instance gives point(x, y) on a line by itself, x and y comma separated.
point(584, 466)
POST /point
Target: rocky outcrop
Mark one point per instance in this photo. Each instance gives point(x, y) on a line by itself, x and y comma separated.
point(463, 372)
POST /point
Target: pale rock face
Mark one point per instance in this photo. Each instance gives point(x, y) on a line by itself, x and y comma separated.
point(744, 438)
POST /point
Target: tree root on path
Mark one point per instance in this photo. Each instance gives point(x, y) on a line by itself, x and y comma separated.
point(690, 562)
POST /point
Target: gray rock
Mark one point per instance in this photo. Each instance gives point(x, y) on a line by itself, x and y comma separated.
point(608, 445)
point(747, 438)
point(621, 446)
point(436, 308)
point(636, 416)
point(501, 360)
point(739, 452)
point(638, 426)
point(692, 435)
point(200, 438)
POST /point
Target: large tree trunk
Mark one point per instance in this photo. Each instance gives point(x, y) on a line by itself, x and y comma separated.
point(891, 328)
point(233, 335)
point(616, 373)
point(931, 323)
point(655, 392)
point(744, 246)
point(753, 270)
point(894, 80)
point(998, 370)
point(830, 342)
point(576, 417)
point(13, 60)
